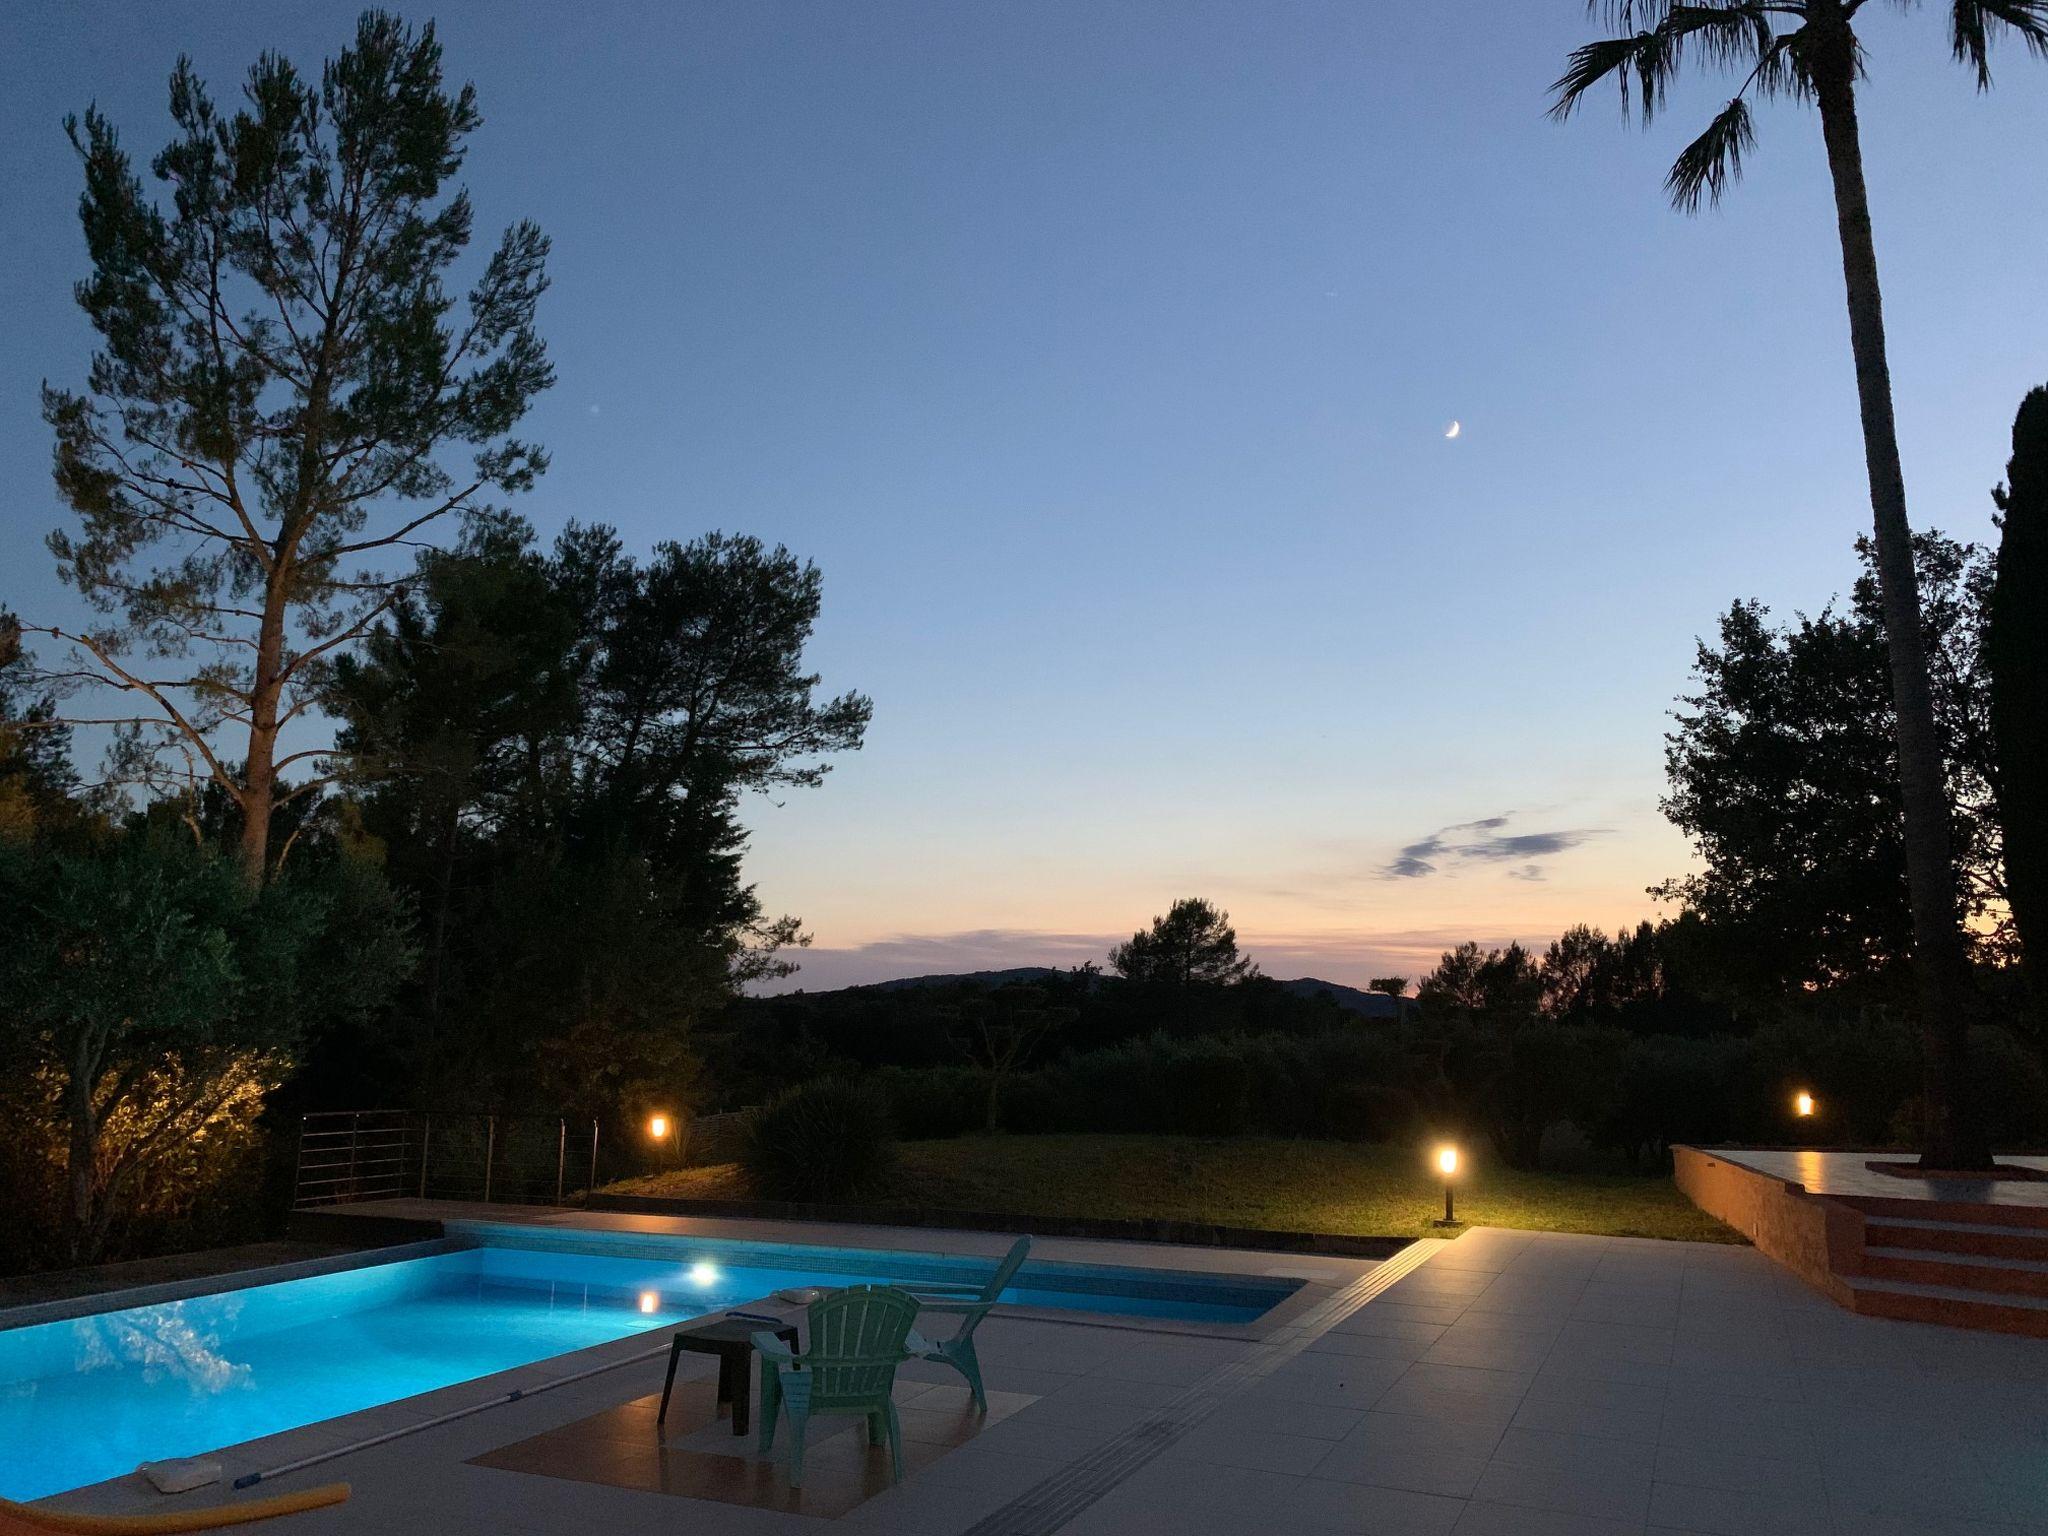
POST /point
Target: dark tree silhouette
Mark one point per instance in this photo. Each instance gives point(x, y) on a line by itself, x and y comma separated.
point(2016, 650)
point(280, 371)
point(1808, 50)
point(1782, 772)
point(1192, 945)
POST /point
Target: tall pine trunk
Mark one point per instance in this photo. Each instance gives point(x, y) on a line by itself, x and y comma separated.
point(259, 772)
point(1954, 1136)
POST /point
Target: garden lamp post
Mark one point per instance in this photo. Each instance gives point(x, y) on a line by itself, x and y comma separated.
point(659, 1128)
point(1447, 1165)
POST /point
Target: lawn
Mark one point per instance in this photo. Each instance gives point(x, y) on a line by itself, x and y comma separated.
point(1298, 1186)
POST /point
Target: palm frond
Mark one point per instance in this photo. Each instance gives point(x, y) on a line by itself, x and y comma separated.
point(1629, 15)
point(1782, 70)
point(1738, 31)
point(1972, 24)
point(1712, 160)
point(1644, 58)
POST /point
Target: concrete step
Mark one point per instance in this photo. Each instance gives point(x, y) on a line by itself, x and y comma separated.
point(1984, 1238)
point(1963, 1211)
point(1953, 1306)
point(1965, 1271)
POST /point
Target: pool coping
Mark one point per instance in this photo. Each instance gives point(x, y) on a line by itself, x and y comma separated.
point(91, 1303)
point(346, 1432)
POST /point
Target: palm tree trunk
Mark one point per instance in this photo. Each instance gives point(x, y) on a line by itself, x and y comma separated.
point(1954, 1136)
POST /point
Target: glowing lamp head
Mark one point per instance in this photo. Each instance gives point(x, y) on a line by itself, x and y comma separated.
point(657, 1127)
point(1447, 1161)
point(650, 1301)
point(1802, 1103)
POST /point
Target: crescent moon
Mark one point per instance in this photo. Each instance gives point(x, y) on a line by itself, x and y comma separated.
point(1454, 429)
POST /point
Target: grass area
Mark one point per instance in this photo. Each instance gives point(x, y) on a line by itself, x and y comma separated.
point(1300, 1186)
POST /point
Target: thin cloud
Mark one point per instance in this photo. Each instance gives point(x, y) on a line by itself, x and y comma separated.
point(1483, 842)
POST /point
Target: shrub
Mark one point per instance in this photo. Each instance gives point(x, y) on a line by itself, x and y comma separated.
point(930, 1103)
point(822, 1141)
point(1369, 1112)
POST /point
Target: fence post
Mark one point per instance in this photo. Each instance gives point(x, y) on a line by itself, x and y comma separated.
point(490, 1152)
point(353, 1122)
point(299, 1177)
point(426, 1145)
point(590, 1188)
point(561, 1155)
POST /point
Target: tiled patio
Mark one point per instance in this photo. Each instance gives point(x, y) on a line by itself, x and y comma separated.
point(1511, 1385)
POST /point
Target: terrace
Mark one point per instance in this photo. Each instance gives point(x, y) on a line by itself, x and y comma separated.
point(1497, 1381)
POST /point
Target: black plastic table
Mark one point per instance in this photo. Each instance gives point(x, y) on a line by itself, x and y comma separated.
point(732, 1340)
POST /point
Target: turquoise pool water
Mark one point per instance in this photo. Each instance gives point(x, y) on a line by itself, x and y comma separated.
point(89, 1398)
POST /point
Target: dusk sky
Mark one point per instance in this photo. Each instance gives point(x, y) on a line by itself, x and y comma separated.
point(1102, 357)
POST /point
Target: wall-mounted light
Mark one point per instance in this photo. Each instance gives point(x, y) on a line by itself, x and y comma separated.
point(657, 1127)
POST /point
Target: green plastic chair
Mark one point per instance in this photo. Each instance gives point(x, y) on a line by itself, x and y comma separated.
point(848, 1366)
point(971, 1308)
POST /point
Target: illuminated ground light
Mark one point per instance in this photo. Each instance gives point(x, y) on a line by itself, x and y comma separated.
point(657, 1127)
point(1802, 1104)
point(1447, 1165)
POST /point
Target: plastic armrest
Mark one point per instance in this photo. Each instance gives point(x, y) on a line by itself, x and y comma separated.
point(772, 1348)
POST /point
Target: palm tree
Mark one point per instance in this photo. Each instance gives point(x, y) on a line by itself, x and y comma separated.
point(1808, 50)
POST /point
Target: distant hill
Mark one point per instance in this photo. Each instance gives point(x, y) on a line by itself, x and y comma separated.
point(960, 978)
point(1374, 1005)
point(1371, 1005)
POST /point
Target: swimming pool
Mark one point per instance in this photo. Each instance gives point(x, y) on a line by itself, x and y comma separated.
point(88, 1398)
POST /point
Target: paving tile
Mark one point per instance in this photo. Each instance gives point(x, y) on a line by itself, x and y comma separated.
point(1469, 1378)
point(1283, 1416)
point(1632, 1424)
point(1613, 1495)
point(1426, 1470)
point(1322, 1504)
point(1441, 1403)
point(1259, 1450)
point(1371, 1346)
point(1700, 1468)
point(1593, 1456)
point(1337, 1381)
point(1193, 1484)
point(1724, 1512)
point(1483, 1518)
point(1436, 1314)
point(1524, 1352)
point(1552, 1384)
point(1420, 1435)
